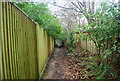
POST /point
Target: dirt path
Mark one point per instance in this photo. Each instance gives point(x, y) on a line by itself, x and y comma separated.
point(63, 66)
point(54, 68)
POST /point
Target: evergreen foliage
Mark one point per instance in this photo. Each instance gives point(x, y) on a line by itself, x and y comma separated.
point(40, 13)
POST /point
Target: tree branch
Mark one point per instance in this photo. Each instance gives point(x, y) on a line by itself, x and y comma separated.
point(77, 7)
point(65, 7)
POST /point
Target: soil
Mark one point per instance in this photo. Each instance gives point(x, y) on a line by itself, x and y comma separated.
point(62, 66)
point(54, 69)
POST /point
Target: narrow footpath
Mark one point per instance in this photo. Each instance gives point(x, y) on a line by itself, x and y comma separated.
point(54, 69)
point(62, 66)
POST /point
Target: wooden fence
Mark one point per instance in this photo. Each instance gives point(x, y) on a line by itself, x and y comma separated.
point(87, 44)
point(25, 47)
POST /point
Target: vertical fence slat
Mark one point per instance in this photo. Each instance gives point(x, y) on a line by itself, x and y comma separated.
point(8, 38)
point(7, 41)
point(1, 35)
point(13, 43)
point(3, 44)
point(10, 41)
point(16, 41)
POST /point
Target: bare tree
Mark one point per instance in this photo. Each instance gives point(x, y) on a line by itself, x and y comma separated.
point(79, 6)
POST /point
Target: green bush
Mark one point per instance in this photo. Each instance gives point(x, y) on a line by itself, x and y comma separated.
point(104, 31)
point(40, 13)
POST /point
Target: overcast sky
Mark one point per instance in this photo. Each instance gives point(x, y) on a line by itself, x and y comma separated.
point(63, 2)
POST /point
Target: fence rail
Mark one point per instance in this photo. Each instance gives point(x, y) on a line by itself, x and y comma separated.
point(25, 47)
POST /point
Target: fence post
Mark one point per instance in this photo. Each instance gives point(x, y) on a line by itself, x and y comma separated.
point(38, 48)
point(1, 77)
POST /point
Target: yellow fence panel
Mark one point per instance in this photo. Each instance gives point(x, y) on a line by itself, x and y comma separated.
point(24, 47)
point(42, 48)
point(88, 45)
